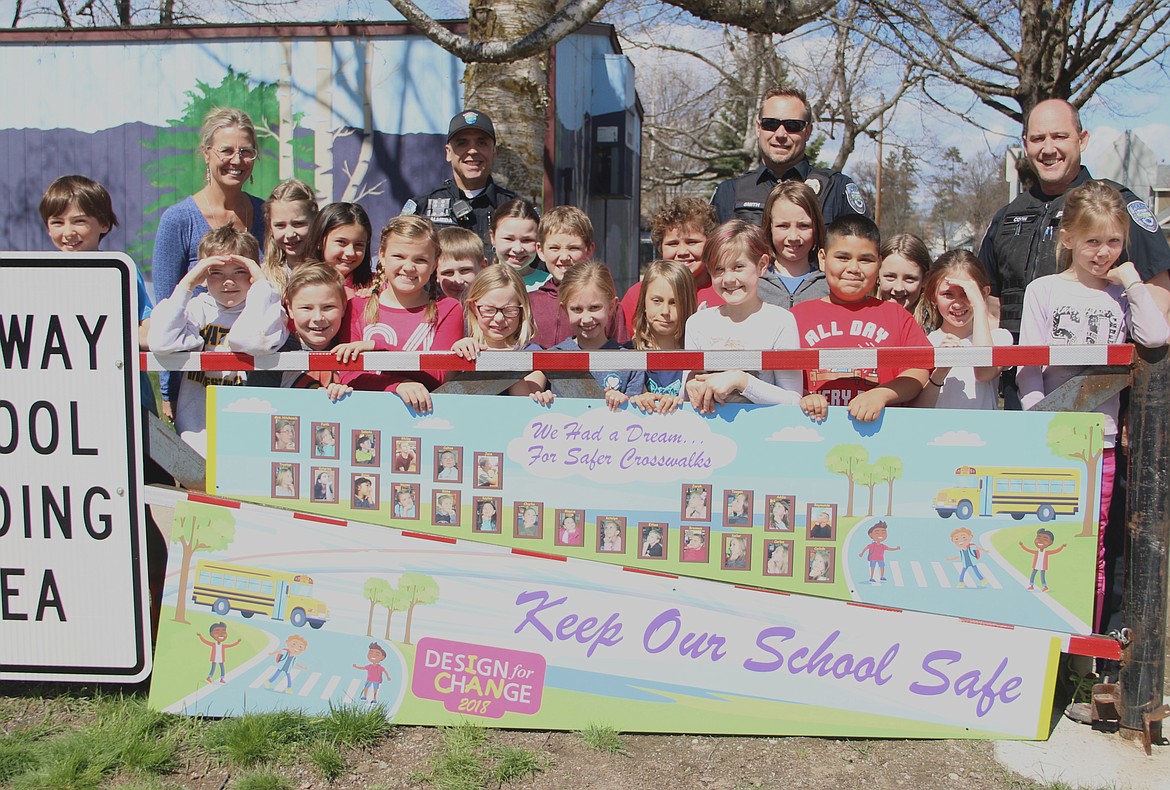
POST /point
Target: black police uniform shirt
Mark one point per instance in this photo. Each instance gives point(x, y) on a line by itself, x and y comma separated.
point(440, 207)
point(743, 197)
point(1022, 241)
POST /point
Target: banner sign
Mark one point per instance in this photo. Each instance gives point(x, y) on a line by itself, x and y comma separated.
point(994, 521)
point(269, 610)
point(73, 604)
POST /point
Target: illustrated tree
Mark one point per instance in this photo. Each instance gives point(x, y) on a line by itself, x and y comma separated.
point(394, 600)
point(180, 171)
point(1078, 437)
point(867, 475)
point(415, 589)
point(373, 591)
point(889, 468)
point(198, 527)
point(847, 459)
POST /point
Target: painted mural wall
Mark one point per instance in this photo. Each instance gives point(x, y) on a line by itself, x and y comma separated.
point(361, 118)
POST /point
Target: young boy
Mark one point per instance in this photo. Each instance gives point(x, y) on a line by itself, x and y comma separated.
point(850, 317)
point(679, 230)
point(564, 239)
point(187, 321)
point(78, 213)
point(461, 256)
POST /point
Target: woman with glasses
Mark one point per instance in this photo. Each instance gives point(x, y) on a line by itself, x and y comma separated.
point(229, 150)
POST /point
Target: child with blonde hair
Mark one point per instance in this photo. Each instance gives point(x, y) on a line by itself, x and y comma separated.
point(499, 318)
point(1094, 300)
point(288, 215)
point(666, 302)
point(403, 312)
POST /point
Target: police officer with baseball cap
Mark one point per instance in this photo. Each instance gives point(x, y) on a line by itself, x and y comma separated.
point(468, 198)
point(783, 129)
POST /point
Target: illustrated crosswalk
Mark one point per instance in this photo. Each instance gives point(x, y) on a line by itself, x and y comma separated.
point(919, 574)
point(310, 682)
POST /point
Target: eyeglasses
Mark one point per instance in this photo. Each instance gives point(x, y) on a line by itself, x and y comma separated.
point(487, 312)
point(791, 125)
point(246, 154)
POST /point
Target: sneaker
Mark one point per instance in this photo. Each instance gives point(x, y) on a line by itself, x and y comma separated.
point(1030, 587)
point(267, 684)
point(222, 682)
point(883, 578)
point(1043, 589)
point(288, 691)
point(983, 583)
point(960, 584)
point(209, 678)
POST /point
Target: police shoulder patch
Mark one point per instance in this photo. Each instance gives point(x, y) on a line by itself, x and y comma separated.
point(1140, 213)
point(814, 185)
point(853, 195)
point(409, 208)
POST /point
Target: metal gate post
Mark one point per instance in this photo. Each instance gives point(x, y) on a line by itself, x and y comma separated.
point(1143, 607)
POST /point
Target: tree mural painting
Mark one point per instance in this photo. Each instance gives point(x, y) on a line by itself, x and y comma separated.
point(198, 527)
point(393, 599)
point(889, 468)
point(415, 589)
point(180, 171)
point(846, 459)
point(1073, 436)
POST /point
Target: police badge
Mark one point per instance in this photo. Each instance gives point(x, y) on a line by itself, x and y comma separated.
point(853, 195)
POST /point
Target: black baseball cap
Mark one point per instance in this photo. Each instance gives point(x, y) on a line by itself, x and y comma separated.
point(471, 119)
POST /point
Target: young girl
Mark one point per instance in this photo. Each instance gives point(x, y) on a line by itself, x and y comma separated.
point(1090, 302)
point(568, 534)
point(590, 298)
point(794, 228)
point(288, 213)
point(665, 303)
point(499, 318)
point(957, 290)
point(905, 264)
point(736, 256)
point(340, 235)
point(513, 233)
point(314, 302)
point(403, 312)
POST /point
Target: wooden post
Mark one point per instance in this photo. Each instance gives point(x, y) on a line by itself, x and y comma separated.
point(1143, 607)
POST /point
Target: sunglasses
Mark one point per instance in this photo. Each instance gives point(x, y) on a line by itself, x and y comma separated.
point(791, 125)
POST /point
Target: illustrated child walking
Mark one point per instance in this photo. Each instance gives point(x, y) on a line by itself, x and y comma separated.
point(877, 549)
point(375, 672)
point(286, 659)
point(219, 647)
point(1043, 541)
point(964, 541)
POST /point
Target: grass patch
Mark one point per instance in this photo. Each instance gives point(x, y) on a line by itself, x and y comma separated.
point(328, 760)
point(602, 737)
point(260, 737)
point(469, 761)
point(359, 726)
point(262, 780)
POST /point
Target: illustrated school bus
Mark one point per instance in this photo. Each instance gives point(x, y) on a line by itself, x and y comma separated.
point(1011, 491)
point(250, 591)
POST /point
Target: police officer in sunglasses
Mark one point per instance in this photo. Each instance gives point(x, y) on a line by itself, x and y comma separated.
point(783, 129)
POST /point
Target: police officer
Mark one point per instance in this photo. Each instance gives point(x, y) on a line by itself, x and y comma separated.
point(1021, 243)
point(467, 199)
point(783, 129)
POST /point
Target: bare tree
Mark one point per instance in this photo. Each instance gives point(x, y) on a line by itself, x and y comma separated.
point(1011, 54)
point(125, 13)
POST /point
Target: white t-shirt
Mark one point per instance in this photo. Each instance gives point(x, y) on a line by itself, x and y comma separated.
point(960, 389)
point(768, 328)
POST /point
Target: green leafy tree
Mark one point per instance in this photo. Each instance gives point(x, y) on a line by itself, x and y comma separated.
point(846, 459)
point(180, 169)
point(1081, 438)
point(889, 468)
point(373, 591)
point(198, 527)
point(416, 589)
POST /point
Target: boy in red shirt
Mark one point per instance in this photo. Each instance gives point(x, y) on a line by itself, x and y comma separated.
point(851, 317)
